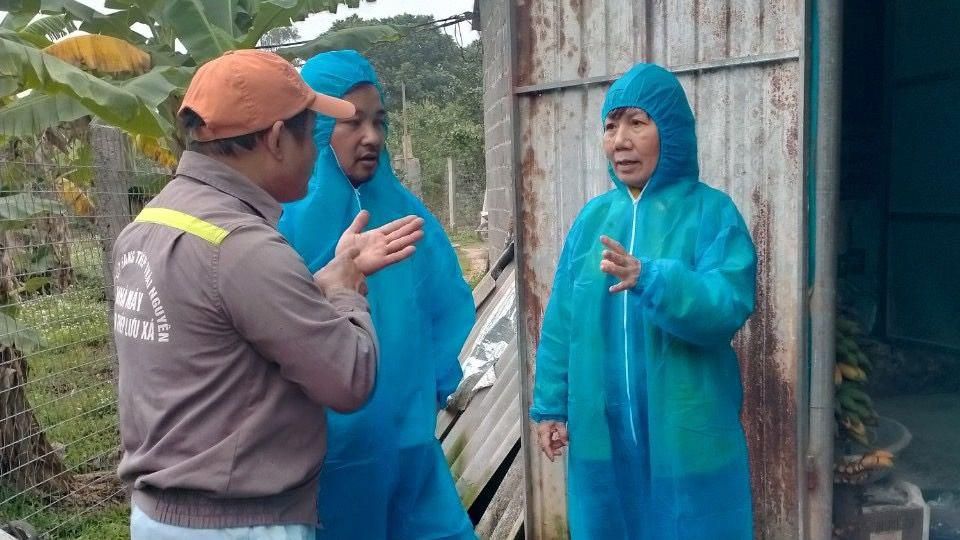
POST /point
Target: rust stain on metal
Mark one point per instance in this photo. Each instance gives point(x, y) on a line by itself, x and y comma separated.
point(529, 169)
point(576, 7)
point(532, 174)
point(526, 43)
point(784, 97)
point(769, 410)
point(533, 294)
point(737, 14)
point(716, 22)
point(778, 12)
point(727, 18)
point(793, 139)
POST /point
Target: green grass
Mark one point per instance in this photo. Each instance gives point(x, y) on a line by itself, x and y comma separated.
point(72, 391)
point(65, 522)
point(464, 241)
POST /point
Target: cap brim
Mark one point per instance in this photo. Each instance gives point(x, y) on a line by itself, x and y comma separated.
point(331, 106)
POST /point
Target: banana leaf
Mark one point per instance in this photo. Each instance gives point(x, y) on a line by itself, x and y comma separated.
point(205, 27)
point(358, 38)
point(104, 54)
point(31, 115)
point(131, 107)
point(14, 334)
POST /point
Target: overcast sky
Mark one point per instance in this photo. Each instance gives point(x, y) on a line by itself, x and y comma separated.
point(319, 23)
point(440, 9)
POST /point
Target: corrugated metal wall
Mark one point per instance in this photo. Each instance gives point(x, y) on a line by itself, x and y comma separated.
point(741, 63)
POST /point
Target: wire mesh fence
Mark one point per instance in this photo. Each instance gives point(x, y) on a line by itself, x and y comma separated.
point(59, 438)
point(59, 434)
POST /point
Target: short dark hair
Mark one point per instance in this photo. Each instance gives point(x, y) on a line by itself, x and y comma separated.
point(617, 114)
point(231, 146)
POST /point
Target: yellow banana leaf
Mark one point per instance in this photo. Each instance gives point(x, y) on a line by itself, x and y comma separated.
point(105, 54)
point(74, 197)
point(152, 148)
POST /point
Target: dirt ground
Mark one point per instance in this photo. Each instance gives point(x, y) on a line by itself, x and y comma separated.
point(473, 259)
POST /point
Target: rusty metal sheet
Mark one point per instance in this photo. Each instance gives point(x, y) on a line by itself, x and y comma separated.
point(484, 434)
point(751, 145)
point(486, 424)
point(680, 31)
point(482, 352)
point(504, 516)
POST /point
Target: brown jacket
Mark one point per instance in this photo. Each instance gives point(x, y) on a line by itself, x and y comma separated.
point(228, 355)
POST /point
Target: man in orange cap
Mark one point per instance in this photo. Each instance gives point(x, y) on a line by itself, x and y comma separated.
point(225, 340)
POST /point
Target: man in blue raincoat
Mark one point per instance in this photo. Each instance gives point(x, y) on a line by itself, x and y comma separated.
point(385, 475)
point(635, 370)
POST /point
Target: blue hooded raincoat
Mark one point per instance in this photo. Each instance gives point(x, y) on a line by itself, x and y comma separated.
point(385, 475)
point(647, 380)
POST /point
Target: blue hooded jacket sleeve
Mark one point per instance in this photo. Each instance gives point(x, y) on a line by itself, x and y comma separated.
point(705, 304)
point(384, 470)
point(451, 309)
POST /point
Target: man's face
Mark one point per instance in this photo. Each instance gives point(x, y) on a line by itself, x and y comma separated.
point(287, 159)
point(300, 154)
point(357, 141)
point(631, 143)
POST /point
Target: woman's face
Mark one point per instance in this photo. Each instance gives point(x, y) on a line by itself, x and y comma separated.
point(632, 145)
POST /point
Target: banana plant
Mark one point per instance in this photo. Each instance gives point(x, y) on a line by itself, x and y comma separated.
point(131, 80)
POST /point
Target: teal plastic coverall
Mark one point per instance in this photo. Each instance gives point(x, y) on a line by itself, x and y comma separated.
point(647, 380)
point(385, 475)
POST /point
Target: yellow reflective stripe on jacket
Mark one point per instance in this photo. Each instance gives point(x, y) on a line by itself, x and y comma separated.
point(184, 222)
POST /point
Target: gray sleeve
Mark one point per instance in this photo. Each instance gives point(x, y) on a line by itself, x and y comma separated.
point(326, 345)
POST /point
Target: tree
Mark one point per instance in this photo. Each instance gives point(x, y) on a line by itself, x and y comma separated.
point(444, 91)
point(438, 132)
point(279, 37)
point(429, 62)
point(129, 80)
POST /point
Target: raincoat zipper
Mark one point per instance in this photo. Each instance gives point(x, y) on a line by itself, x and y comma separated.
point(626, 332)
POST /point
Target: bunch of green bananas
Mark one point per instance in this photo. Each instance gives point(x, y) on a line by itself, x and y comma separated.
point(853, 408)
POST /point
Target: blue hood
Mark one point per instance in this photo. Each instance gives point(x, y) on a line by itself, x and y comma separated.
point(331, 196)
point(335, 74)
point(659, 93)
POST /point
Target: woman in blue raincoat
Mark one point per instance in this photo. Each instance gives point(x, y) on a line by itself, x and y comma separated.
point(635, 370)
point(385, 475)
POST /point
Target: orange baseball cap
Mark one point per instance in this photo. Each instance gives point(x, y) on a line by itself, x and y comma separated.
point(246, 91)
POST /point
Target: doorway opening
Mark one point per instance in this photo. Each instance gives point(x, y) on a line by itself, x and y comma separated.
point(899, 244)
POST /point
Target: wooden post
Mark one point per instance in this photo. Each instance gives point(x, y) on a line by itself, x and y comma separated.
point(451, 194)
point(411, 165)
point(110, 185)
point(413, 177)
